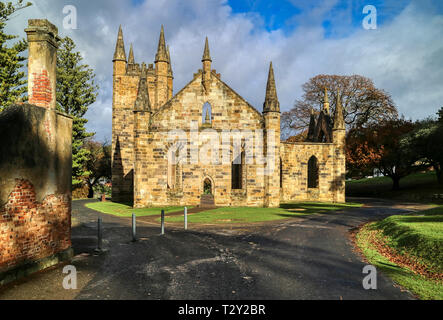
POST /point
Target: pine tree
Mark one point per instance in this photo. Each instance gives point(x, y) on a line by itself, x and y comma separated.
point(440, 115)
point(12, 79)
point(76, 91)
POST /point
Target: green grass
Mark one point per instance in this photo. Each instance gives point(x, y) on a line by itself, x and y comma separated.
point(124, 210)
point(416, 187)
point(420, 236)
point(248, 215)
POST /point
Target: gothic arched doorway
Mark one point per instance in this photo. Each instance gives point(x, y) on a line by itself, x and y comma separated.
point(207, 198)
point(207, 186)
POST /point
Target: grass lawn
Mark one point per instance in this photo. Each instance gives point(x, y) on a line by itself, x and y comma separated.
point(418, 238)
point(123, 210)
point(415, 187)
point(247, 214)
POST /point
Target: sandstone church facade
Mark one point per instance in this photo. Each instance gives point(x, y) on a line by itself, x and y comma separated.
point(150, 169)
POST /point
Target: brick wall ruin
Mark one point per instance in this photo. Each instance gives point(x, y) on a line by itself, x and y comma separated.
point(35, 168)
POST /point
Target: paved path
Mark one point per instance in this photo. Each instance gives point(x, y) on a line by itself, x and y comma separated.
point(300, 258)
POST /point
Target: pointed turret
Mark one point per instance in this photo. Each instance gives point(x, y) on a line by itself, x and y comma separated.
point(142, 102)
point(120, 54)
point(272, 124)
point(339, 122)
point(131, 59)
point(271, 101)
point(170, 75)
point(161, 50)
point(206, 52)
point(162, 90)
point(207, 61)
point(168, 54)
point(312, 126)
point(326, 102)
point(339, 140)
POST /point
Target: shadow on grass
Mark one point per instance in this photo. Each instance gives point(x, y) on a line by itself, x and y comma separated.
point(423, 219)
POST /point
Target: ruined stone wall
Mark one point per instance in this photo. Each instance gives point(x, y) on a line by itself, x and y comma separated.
point(35, 184)
point(229, 111)
point(35, 168)
point(295, 157)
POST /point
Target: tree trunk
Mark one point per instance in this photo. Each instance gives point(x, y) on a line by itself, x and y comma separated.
point(90, 191)
point(439, 176)
point(396, 183)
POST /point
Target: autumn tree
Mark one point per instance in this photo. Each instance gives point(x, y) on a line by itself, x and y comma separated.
point(378, 146)
point(362, 102)
point(12, 78)
point(76, 91)
point(98, 164)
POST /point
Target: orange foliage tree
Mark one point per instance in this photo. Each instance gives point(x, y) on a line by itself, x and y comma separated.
point(362, 102)
point(378, 146)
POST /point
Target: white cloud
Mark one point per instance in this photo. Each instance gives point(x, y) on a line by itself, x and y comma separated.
point(404, 56)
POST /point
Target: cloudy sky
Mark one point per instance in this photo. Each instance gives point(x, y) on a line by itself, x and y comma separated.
point(303, 38)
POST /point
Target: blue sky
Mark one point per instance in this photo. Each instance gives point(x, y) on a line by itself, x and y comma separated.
point(303, 38)
point(280, 14)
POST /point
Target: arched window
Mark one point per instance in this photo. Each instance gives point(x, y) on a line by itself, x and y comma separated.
point(281, 173)
point(207, 114)
point(313, 173)
point(237, 172)
point(174, 170)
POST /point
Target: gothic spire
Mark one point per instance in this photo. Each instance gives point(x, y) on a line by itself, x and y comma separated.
point(161, 50)
point(206, 53)
point(120, 54)
point(271, 100)
point(131, 59)
point(170, 74)
point(339, 122)
point(312, 126)
point(142, 102)
point(326, 102)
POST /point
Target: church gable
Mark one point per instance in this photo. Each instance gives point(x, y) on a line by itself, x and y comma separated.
point(225, 109)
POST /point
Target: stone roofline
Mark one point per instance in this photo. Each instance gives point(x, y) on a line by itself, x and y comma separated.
point(196, 76)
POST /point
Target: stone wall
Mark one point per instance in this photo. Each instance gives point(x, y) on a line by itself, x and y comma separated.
point(295, 157)
point(125, 93)
point(35, 184)
point(229, 112)
point(142, 172)
point(35, 168)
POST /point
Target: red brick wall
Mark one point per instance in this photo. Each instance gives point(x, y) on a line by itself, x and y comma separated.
point(41, 90)
point(30, 230)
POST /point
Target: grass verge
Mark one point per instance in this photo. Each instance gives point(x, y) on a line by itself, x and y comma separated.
point(419, 187)
point(408, 249)
point(249, 215)
point(123, 210)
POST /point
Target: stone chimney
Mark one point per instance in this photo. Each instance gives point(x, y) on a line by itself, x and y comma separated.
point(43, 44)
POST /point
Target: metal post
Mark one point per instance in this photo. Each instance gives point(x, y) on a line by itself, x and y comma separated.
point(134, 228)
point(163, 222)
point(99, 234)
point(186, 218)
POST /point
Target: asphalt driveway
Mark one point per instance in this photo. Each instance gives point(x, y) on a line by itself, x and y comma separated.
point(300, 258)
